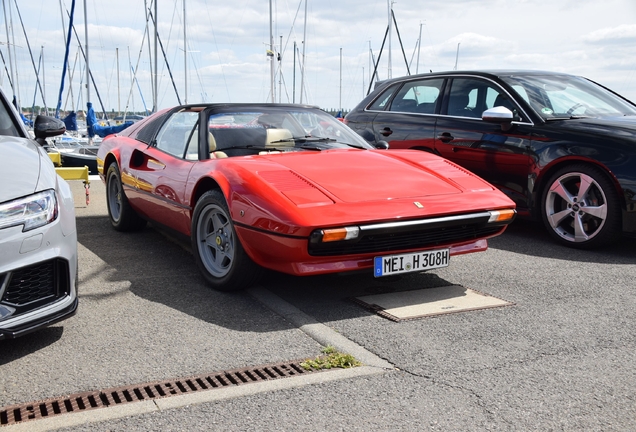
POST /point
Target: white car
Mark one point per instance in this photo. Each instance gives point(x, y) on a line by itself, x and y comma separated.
point(38, 236)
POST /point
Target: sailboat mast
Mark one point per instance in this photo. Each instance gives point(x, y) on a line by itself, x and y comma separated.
point(272, 93)
point(88, 69)
point(185, 54)
point(68, 66)
point(457, 56)
point(118, 91)
point(419, 48)
point(340, 98)
point(155, 90)
point(46, 108)
point(17, 77)
point(302, 66)
point(389, 72)
point(6, 25)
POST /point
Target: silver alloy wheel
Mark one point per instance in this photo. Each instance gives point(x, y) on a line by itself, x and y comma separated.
point(576, 207)
point(114, 197)
point(215, 240)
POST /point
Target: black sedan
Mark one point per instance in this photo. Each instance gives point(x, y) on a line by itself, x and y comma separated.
point(562, 147)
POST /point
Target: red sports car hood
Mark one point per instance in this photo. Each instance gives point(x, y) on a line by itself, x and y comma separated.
point(358, 176)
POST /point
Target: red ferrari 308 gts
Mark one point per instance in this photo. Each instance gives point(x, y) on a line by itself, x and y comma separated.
point(290, 188)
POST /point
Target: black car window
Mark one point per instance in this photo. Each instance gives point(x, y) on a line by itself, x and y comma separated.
point(176, 133)
point(470, 97)
point(148, 131)
point(7, 127)
point(383, 100)
point(418, 96)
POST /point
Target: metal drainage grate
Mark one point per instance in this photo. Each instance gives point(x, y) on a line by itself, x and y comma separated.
point(141, 392)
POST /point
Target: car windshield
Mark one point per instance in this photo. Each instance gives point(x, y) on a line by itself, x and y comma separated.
point(557, 97)
point(283, 128)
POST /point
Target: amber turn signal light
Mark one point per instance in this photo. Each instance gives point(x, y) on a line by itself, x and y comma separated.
point(338, 234)
point(502, 215)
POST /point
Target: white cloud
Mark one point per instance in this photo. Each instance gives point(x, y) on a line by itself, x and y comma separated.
point(621, 34)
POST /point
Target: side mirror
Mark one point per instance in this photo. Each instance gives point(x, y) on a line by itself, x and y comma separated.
point(45, 127)
point(500, 115)
point(382, 145)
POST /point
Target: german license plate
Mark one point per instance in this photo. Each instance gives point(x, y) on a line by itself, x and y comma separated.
point(411, 262)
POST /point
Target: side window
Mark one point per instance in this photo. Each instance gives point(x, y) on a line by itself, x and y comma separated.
point(192, 142)
point(491, 97)
point(521, 91)
point(470, 97)
point(466, 98)
point(381, 102)
point(7, 127)
point(418, 96)
point(175, 135)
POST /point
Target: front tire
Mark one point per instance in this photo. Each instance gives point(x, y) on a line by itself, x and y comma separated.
point(580, 207)
point(121, 214)
point(217, 249)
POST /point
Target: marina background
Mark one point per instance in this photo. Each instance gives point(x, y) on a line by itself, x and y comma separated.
point(227, 43)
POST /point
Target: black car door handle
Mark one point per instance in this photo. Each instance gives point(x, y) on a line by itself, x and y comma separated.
point(386, 131)
point(445, 137)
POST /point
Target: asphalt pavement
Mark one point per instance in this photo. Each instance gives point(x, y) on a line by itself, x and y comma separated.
point(560, 358)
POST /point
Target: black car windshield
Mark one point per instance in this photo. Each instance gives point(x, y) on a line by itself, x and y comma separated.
point(557, 97)
point(281, 128)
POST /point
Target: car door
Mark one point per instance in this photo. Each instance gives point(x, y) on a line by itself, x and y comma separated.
point(502, 157)
point(360, 119)
point(409, 119)
point(160, 171)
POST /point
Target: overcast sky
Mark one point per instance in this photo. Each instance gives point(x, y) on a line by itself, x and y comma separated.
point(228, 40)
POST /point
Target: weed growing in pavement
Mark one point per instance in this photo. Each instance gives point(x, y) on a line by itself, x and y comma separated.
point(331, 359)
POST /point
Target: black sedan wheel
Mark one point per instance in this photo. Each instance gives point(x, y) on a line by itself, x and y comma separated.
point(217, 249)
point(581, 207)
point(121, 214)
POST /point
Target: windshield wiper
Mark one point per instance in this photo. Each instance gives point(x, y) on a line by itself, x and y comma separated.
point(283, 140)
point(319, 139)
point(567, 118)
point(306, 139)
point(310, 139)
point(256, 147)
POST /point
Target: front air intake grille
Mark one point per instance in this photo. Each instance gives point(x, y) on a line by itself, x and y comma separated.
point(31, 286)
point(390, 242)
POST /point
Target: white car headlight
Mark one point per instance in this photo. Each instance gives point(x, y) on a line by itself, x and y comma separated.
point(33, 211)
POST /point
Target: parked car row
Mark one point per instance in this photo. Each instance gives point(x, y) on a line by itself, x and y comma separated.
point(425, 168)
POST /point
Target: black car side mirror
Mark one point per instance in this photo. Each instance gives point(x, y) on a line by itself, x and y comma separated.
point(45, 126)
point(500, 115)
point(382, 145)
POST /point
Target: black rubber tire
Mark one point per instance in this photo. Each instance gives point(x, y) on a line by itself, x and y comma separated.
point(594, 223)
point(223, 262)
point(122, 216)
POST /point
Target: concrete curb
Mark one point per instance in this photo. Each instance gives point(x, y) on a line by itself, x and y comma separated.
point(317, 331)
point(214, 395)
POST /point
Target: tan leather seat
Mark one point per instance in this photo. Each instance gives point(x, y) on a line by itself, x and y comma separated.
point(213, 153)
point(193, 146)
point(279, 138)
